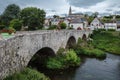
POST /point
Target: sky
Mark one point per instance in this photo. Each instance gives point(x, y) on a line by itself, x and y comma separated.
point(59, 7)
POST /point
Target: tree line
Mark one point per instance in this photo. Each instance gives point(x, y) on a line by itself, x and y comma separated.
point(29, 18)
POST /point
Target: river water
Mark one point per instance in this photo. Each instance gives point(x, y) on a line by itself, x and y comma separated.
point(92, 69)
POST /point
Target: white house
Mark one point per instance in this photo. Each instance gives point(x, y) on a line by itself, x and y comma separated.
point(78, 23)
point(96, 24)
point(110, 25)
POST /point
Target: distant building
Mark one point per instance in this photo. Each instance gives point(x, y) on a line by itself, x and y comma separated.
point(110, 25)
point(118, 25)
point(96, 24)
point(77, 20)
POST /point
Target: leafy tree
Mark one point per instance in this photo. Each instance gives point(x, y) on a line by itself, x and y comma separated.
point(56, 16)
point(11, 12)
point(90, 19)
point(95, 14)
point(32, 17)
point(63, 25)
point(16, 24)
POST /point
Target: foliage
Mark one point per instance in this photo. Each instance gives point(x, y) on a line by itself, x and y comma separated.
point(64, 61)
point(33, 18)
point(111, 29)
point(27, 74)
point(52, 27)
point(86, 48)
point(90, 19)
point(2, 27)
point(11, 12)
point(60, 51)
point(7, 30)
point(16, 24)
point(107, 40)
point(63, 25)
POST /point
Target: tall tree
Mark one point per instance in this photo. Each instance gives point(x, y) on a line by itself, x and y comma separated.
point(11, 12)
point(32, 17)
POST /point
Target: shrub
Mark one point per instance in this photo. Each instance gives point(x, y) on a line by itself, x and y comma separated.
point(16, 24)
point(27, 74)
point(52, 27)
point(111, 29)
point(72, 59)
point(63, 25)
point(63, 61)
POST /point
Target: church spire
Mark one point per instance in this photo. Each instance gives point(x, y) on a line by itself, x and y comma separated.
point(70, 11)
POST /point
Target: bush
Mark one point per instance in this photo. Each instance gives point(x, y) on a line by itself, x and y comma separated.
point(67, 60)
point(27, 74)
point(63, 25)
point(16, 24)
point(52, 27)
point(9, 30)
point(111, 29)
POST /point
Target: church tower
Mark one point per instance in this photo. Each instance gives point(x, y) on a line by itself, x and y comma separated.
point(70, 11)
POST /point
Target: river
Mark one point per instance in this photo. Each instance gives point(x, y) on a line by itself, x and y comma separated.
point(91, 69)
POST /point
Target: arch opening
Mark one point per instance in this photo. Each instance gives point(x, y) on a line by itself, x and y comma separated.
point(40, 57)
point(84, 37)
point(71, 42)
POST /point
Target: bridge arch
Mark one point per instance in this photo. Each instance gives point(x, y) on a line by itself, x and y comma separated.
point(84, 37)
point(40, 56)
point(71, 42)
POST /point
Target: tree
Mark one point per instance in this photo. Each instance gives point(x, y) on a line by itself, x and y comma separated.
point(56, 16)
point(16, 24)
point(95, 14)
point(32, 17)
point(63, 25)
point(11, 12)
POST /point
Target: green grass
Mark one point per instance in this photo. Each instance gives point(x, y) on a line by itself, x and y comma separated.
point(27, 74)
point(6, 35)
point(108, 41)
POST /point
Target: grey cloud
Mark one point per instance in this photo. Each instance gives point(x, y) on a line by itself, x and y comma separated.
point(83, 3)
point(44, 4)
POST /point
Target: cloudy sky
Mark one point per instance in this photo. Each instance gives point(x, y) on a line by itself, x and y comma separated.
point(62, 6)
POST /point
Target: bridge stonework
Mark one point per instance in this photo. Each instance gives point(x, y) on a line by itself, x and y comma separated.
point(16, 52)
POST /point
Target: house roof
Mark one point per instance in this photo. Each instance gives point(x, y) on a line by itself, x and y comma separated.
point(78, 20)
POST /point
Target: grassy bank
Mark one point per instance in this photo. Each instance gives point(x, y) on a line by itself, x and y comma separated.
point(107, 40)
point(87, 49)
point(27, 74)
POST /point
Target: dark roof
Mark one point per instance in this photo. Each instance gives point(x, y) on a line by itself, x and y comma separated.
point(78, 20)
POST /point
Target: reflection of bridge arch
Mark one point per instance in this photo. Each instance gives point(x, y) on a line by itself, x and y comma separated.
point(40, 56)
point(71, 42)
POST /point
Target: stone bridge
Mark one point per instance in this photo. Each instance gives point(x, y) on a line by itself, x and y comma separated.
point(17, 51)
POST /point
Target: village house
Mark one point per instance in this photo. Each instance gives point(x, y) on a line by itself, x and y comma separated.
point(110, 25)
point(96, 24)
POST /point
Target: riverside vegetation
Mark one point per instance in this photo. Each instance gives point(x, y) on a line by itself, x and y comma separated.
point(27, 74)
point(108, 41)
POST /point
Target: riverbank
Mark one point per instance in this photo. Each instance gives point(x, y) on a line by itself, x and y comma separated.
point(108, 41)
point(27, 74)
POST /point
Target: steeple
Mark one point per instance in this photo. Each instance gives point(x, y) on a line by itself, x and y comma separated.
point(70, 11)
